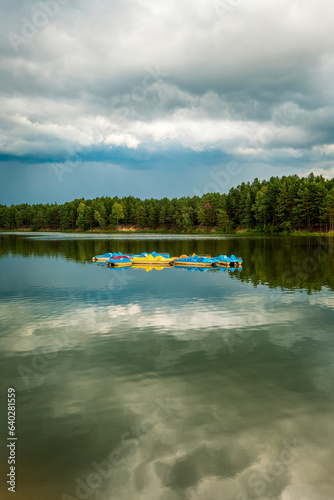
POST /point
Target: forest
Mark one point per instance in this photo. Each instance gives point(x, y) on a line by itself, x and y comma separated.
point(280, 205)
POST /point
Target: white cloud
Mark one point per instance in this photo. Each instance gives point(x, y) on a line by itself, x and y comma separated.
point(256, 81)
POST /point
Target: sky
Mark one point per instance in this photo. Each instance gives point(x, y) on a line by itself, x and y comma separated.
point(156, 98)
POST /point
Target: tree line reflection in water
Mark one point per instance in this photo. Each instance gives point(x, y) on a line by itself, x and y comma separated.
point(294, 263)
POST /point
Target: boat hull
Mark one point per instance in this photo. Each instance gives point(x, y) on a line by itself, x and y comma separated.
point(193, 264)
point(155, 263)
point(227, 264)
point(119, 264)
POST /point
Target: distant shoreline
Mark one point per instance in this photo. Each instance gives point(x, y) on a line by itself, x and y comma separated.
point(287, 205)
point(132, 230)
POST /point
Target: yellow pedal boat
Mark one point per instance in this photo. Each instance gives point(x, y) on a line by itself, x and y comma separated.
point(149, 260)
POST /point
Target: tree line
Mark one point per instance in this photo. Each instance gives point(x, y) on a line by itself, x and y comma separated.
point(285, 204)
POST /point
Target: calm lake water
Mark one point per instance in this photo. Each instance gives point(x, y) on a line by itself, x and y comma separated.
point(168, 384)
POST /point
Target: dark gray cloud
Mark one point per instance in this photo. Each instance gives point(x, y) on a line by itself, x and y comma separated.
point(244, 78)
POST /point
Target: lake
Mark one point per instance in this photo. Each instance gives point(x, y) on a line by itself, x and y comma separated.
point(168, 384)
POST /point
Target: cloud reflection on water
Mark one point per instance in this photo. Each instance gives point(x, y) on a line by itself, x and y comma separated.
point(247, 369)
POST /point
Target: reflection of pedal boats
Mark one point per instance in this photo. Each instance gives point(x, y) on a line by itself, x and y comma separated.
point(194, 268)
point(118, 261)
point(225, 261)
point(193, 261)
point(149, 268)
point(119, 267)
point(227, 269)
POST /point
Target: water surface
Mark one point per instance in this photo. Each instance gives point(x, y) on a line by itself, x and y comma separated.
point(168, 384)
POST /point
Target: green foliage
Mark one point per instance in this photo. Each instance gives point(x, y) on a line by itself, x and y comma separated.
point(100, 214)
point(117, 213)
point(81, 221)
point(261, 205)
point(286, 204)
point(223, 221)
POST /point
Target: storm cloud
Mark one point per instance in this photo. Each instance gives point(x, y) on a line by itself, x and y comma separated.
point(120, 80)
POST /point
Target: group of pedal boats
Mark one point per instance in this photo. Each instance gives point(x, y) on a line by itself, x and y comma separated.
point(164, 259)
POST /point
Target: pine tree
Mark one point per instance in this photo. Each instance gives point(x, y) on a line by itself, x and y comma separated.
point(81, 221)
point(223, 221)
point(260, 206)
